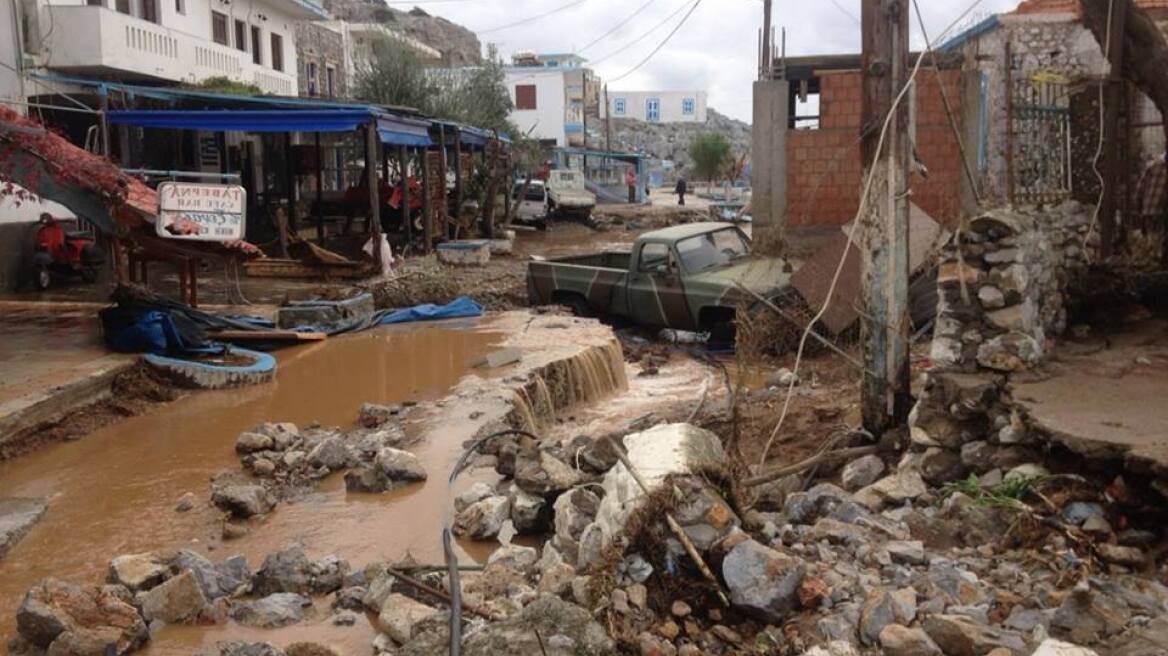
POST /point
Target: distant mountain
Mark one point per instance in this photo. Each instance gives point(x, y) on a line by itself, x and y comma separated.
point(458, 45)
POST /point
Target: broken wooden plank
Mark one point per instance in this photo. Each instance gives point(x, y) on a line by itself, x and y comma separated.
point(281, 268)
point(267, 336)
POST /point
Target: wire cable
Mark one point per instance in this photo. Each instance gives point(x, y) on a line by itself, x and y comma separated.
point(532, 19)
point(660, 45)
point(864, 197)
point(642, 37)
point(1099, 148)
point(619, 25)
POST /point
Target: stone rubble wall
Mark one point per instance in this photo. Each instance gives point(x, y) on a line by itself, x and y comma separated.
point(1003, 288)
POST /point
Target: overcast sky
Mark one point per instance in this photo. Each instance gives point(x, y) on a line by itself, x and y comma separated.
point(715, 50)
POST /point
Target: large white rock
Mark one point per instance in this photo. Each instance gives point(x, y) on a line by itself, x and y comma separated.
point(399, 615)
point(655, 454)
point(1052, 647)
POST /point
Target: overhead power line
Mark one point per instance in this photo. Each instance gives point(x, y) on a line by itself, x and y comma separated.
point(640, 38)
point(532, 19)
point(618, 25)
point(660, 45)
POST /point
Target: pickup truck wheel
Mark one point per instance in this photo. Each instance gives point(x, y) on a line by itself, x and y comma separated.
point(578, 305)
point(722, 335)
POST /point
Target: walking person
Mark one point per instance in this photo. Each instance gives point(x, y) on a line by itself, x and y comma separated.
point(631, 182)
point(680, 190)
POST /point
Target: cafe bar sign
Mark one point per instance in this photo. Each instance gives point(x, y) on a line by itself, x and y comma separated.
point(201, 212)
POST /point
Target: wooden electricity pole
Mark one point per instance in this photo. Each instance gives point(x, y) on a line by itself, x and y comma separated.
point(883, 227)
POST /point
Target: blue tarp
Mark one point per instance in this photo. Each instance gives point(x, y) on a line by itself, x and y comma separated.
point(460, 308)
point(164, 326)
point(245, 120)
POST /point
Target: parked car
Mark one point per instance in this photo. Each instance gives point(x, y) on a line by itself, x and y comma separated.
point(567, 196)
point(684, 277)
point(532, 204)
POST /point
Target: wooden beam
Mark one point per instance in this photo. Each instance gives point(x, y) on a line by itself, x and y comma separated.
point(371, 150)
point(266, 335)
point(883, 226)
point(319, 192)
point(427, 206)
point(404, 159)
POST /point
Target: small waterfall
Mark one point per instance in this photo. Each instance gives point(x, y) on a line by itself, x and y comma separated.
point(523, 415)
point(586, 377)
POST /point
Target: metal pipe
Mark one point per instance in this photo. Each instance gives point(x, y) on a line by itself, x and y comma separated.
point(156, 173)
point(12, 101)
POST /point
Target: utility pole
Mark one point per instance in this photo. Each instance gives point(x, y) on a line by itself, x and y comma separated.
point(883, 227)
point(607, 122)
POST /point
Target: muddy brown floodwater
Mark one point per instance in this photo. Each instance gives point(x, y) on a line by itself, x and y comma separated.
point(114, 492)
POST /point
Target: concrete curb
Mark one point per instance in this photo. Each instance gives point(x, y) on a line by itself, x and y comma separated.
point(25, 414)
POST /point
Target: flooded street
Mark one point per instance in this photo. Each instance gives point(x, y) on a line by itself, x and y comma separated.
point(114, 492)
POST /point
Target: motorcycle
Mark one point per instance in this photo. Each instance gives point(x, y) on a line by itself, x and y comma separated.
point(62, 253)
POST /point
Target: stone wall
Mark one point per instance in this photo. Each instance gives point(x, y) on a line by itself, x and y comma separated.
point(325, 47)
point(1003, 288)
point(1042, 43)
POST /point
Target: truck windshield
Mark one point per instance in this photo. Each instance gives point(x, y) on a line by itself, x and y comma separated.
point(711, 250)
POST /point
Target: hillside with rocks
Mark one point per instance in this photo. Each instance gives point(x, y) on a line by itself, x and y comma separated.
point(670, 141)
point(459, 46)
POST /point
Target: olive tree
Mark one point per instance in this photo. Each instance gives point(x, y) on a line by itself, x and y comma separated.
point(709, 151)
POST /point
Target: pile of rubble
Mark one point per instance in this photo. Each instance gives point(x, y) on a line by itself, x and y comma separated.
point(874, 559)
point(652, 548)
point(284, 461)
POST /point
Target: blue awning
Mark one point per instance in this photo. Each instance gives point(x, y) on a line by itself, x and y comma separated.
point(474, 137)
point(404, 132)
point(245, 120)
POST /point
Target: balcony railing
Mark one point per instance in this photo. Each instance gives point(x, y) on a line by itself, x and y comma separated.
point(99, 40)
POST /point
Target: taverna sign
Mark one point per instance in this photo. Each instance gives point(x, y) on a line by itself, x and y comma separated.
point(202, 212)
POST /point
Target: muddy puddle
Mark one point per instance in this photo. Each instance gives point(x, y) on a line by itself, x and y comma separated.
point(567, 239)
point(114, 492)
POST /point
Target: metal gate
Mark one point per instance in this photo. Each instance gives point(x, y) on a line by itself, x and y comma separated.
point(1040, 127)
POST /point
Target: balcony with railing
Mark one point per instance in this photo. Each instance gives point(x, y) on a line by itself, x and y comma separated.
point(97, 40)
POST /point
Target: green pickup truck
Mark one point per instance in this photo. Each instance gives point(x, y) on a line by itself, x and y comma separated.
point(683, 277)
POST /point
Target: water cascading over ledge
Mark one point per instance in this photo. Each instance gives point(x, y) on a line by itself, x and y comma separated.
point(586, 377)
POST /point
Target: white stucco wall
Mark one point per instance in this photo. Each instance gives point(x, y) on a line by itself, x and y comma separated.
point(671, 104)
point(10, 86)
point(546, 121)
point(178, 48)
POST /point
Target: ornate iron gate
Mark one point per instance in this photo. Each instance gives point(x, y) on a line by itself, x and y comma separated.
point(1041, 130)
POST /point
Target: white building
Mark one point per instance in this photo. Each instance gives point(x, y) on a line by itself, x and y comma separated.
point(657, 106)
point(540, 102)
point(179, 41)
point(11, 83)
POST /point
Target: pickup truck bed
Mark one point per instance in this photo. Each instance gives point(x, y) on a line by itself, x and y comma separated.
point(606, 260)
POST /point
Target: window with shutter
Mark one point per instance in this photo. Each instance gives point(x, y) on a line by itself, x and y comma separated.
point(525, 96)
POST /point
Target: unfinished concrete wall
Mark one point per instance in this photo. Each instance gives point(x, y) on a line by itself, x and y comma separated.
point(768, 154)
point(824, 174)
